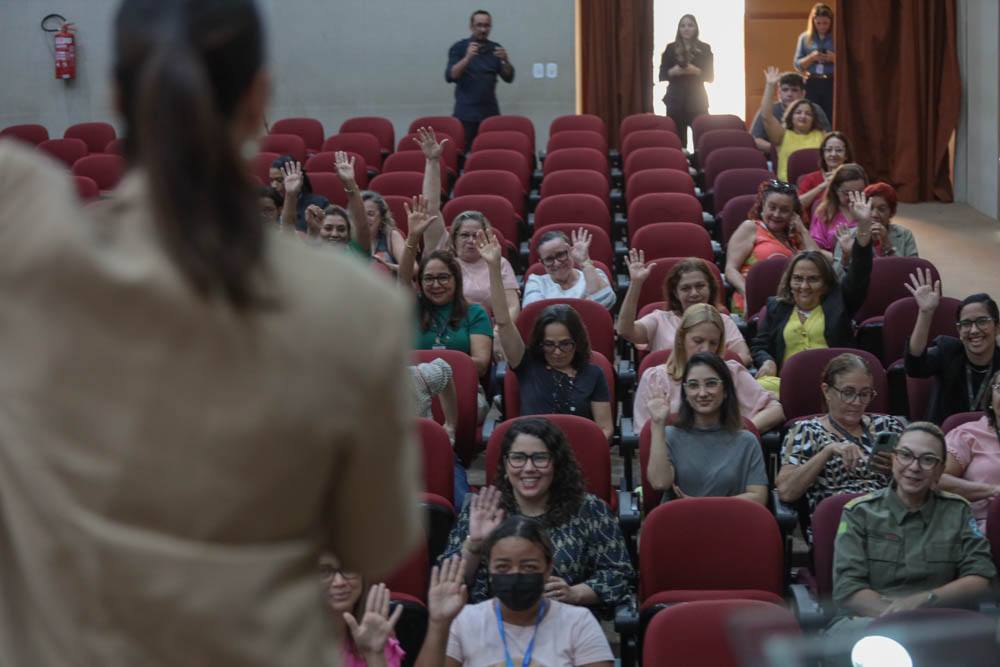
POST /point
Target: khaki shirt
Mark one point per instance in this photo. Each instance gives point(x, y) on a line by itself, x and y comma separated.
point(171, 470)
point(894, 551)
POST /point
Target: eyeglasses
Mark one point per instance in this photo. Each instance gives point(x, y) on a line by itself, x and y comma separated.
point(540, 460)
point(693, 287)
point(328, 572)
point(561, 345)
point(560, 256)
point(711, 384)
point(850, 395)
point(775, 185)
point(925, 461)
point(812, 280)
point(465, 236)
point(980, 322)
point(441, 279)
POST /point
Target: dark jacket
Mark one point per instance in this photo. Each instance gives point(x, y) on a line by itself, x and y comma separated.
point(687, 93)
point(839, 306)
point(946, 362)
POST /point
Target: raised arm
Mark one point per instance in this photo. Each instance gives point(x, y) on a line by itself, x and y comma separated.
point(432, 183)
point(659, 469)
point(418, 219)
point(510, 337)
point(293, 186)
point(927, 296)
point(775, 130)
point(638, 272)
point(355, 206)
point(445, 599)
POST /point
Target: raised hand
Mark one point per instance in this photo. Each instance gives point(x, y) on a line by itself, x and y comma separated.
point(637, 269)
point(928, 296)
point(447, 593)
point(484, 513)
point(375, 628)
point(428, 143)
point(489, 246)
point(314, 219)
point(844, 238)
point(658, 409)
point(292, 173)
point(345, 169)
point(860, 206)
point(500, 53)
point(418, 218)
point(580, 240)
point(772, 75)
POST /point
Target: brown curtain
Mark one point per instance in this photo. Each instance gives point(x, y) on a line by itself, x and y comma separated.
point(898, 91)
point(616, 38)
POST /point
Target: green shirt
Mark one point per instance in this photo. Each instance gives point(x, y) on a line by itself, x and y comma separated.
point(896, 551)
point(355, 249)
point(476, 321)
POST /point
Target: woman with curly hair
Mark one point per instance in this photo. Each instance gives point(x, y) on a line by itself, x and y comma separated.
point(538, 476)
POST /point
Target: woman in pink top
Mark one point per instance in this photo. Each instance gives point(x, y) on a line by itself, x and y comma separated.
point(364, 620)
point(973, 466)
point(835, 208)
point(688, 283)
point(701, 330)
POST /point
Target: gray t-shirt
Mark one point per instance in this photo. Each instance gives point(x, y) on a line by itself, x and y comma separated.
point(714, 461)
point(757, 129)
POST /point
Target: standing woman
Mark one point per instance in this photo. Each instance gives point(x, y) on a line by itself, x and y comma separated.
point(814, 57)
point(213, 342)
point(688, 64)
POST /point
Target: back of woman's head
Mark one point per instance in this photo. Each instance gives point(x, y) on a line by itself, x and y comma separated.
point(849, 171)
point(820, 260)
point(560, 313)
point(840, 365)
point(673, 279)
point(729, 411)
point(184, 70)
point(526, 528)
point(848, 153)
point(699, 313)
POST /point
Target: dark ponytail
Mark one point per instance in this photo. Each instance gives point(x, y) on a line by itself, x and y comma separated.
point(183, 67)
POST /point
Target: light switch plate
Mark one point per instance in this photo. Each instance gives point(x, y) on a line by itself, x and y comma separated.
point(551, 70)
point(539, 70)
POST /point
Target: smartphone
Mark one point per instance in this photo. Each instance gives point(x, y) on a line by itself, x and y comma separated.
point(885, 441)
point(823, 51)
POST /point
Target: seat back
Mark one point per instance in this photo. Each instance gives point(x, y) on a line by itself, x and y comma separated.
point(600, 244)
point(645, 121)
point(959, 418)
point(362, 143)
point(116, 146)
point(106, 170)
point(378, 127)
point(657, 180)
point(492, 182)
point(735, 182)
point(260, 166)
point(497, 210)
point(577, 158)
point(438, 462)
point(30, 133)
point(583, 121)
point(413, 576)
point(802, 375)
point(663, 207)
point(674, 239)
point(732, 157)
point(510, 140)
point(309, 129)
point(412, 161)
point(577, 139)
point(446, 124)
point(596, 320)
point(503, 159)
point(801, 162)
point(712, 140)
point(66, 150)
point(649, 139)
point(577, 181)
point(900, 317)
point(284, 144)
point(655, 157)
point(825, 520)
point(466, 379)
point(402, 183)
point(95, 135)
point(652, 289)
point(86, 187)
point(762, 282)
point(889, 279)
point(325, 162)
point(504, 122)
point(328, 184)
point(705, 123)
point(585, 438)
point(710, 544)
point(918, 396)
point(573, 208)
point(736, 210)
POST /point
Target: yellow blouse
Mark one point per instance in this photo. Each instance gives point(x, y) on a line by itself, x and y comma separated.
point(793, 142)
point(806, 335)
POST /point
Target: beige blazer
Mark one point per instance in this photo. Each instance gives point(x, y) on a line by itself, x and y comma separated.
point(170, 471)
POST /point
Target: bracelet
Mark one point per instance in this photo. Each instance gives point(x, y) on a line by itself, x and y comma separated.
point(410, 245)
point(587, 263)
point(467, 545)
point(351, 191)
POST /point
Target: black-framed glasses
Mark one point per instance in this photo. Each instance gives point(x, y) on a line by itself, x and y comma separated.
point(980, 322)
point(925, 461)
point(560, 256)
point(774, 185)
point(561, 345)
point(850, 395)
point(441, 279)
point(710, 384)
point(812, 280)
point(328, 572)
point(540, 460)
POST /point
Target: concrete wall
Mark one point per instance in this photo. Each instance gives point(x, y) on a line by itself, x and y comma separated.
point(977, 152)
point(330, 61)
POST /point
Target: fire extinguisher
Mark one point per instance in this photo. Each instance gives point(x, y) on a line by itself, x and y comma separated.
point(66, 52)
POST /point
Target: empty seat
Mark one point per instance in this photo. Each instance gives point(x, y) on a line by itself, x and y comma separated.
point(115, 147)
point(328, 184)
point(577, 181)
point(95, 135)
point(501, 159)
point(585, 121)
point(708, 122)
point(577, 158)
point(447, 124)
point(324, 161)
point(413, 161)
point(663, 207)
point(449, 150)
point(673, 239)
point(86, 187)
point(492, 182)
point(511, 140)
point(735, 182)
point(645, 121)
point(715, 139)
point(577, 139)
point(402, 183)
point(734, 213)
point(657, 180)
point(649, 139)
point(506, 122)
point(362, 143)
point(801, 162)
point(106, 170)
point(731, 157)
point(762, 282)
point(309, 129)
point(284, 144)
point(66, 151)
point(30, 133)
point(900, 317)
point(378, 127)
point(260, 166)
point(573, 209)
point(655, 157)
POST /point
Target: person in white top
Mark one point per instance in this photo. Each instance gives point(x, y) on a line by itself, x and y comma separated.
point(562, 281)
point(517, 626)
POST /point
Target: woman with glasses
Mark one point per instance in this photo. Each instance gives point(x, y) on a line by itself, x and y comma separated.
point(834, 151)
point(834, 215)
point(909, 546)
point(973, 466)
point(364, 620)
point(961, 367)
point(798, 128)
point(813, 309)
point(888, 238)
point(553, 370)
point(701, 330)
point(832, 454)
point(558, 254)
point(773, 228)
point(538, 476)
point(704, 452)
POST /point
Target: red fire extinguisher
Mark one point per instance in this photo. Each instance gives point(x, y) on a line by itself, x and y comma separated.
point(66, 52)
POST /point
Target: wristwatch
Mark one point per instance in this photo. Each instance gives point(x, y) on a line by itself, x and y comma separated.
point(932, 599)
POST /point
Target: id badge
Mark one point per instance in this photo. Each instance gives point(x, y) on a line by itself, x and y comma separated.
point(438, 347)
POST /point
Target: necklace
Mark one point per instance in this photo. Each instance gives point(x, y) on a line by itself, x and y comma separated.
point(562, 391)
point(858, 440)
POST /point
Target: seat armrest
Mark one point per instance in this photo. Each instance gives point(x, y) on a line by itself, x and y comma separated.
point(786, 515)
point(627, 447)
point(807, 609)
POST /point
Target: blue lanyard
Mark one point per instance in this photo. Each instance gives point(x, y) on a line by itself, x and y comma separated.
point(531, 645)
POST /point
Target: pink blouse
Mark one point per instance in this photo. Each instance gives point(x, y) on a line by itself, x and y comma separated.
point(394, 654)
point(655, 382)
point(974, 445)
point(661, 328)
point(826, 237)
point(476, 280)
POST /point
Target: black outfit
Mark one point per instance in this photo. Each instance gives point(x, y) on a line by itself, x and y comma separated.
point(305, 200)
point(686, 97)
point(475, 90)
point(546, 391)
point(819, 89)
point(839, 306)
point(955, 378)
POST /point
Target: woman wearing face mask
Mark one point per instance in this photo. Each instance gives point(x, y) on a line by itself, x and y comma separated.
point(538, 476)
point(690, 282)
point(704, 452)
point(688, 64)
point(561, 280)
point(701, 330)
point(364, 620)
point(834, 151)
point(888, 238)
point(520, 624)
point(773, 228)
point(798, 128)
point(553, 370)
point(813, 309)
point(961, 367)
point(815, 57)
point(834, 215)
point(909, 546)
